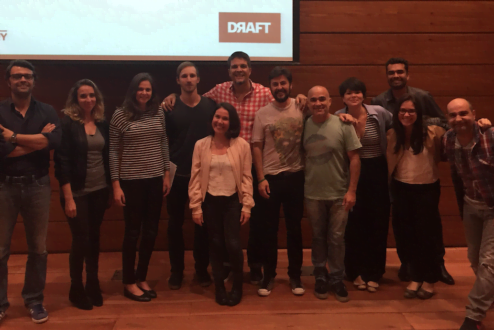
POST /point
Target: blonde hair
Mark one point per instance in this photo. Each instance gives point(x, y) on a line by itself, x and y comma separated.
point(73, 109)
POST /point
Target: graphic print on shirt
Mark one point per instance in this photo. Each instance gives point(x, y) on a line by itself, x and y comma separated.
point(287, 136)
point(319, 152)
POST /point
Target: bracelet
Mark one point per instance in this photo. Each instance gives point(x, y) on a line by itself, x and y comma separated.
point(261, 180)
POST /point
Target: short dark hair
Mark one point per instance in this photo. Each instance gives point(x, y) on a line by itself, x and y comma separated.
point(280, 71)
point(234, 127)
point(397, 60)
point(353, 84)
point(239, 55)
point(22, 64)
point(130, 105)
point(418, 131)
point(184, 65)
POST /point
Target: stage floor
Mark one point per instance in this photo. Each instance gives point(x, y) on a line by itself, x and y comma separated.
point(193, 307)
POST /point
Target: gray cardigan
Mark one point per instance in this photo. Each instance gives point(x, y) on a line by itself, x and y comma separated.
point(383, 117)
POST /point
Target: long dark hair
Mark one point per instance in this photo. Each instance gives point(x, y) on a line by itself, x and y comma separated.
point(130, 105)
point(234, 120)
point(418, 130)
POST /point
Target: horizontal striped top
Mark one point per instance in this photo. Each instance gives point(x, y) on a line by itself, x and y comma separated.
point(139, 148)
point(371, 141)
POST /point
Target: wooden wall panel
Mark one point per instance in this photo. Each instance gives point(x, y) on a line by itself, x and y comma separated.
point(396, 16)
point(448, 45)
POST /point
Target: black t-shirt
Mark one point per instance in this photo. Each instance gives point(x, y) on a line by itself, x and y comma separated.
point(184, 127)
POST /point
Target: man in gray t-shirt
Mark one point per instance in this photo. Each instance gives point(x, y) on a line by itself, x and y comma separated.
point(332, 169)
point(277, 152)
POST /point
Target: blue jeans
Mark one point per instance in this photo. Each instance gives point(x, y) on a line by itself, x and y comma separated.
point(328, 220)
point(478, 221)
point(32, 201)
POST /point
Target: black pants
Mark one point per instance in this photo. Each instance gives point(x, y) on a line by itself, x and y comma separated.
point(222, 219)
point(287, 189)
point(255, 243)
point(85, 229)
point(416, 212)
point(368, 222)
point(142, 211)
point(177, 201)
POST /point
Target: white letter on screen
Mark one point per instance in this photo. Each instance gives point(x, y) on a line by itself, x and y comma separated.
point(232, 27)
point(241, 27)
point(250, 28)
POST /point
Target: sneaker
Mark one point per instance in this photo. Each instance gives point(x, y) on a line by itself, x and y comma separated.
point(267, 285)
point(38, 313)
point(470, 324)
point(255, 275)
point(340, 292)
point(204, 279)
point(297, 287)
point(2, 315)
point(321, 289)
point(175, 281)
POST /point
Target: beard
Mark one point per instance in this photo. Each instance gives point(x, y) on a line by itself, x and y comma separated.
point(284, 98)
point(22, 94)
point(402, 84)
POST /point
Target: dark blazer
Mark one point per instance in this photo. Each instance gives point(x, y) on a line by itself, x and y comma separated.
point(71, 157)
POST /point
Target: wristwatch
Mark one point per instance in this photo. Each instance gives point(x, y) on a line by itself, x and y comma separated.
point(13, 138)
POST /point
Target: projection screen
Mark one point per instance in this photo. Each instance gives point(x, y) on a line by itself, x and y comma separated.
point(151, 30)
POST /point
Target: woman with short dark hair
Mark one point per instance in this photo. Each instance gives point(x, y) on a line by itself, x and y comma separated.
point(221, 188)
point(139, 162)
point(367, 228)
point(82, 168)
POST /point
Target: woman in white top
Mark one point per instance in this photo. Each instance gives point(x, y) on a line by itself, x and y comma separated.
point(220, 186)
point(413, 153)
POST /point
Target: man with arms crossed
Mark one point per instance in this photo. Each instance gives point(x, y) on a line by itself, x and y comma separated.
point(29, 130)
point(277, 152)
point(189, 122)
point(332, 169)
point(397, 75)
point(470, 154)
point(247, 97)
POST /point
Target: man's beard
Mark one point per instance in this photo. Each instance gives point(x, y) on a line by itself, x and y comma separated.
point(284, 98)
point(22, 95)
point(400, 86)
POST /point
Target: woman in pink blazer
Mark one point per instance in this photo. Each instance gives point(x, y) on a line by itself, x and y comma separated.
point(220, 193)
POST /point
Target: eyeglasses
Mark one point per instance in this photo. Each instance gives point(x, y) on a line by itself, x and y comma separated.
point(410, 112)
point(18, 76)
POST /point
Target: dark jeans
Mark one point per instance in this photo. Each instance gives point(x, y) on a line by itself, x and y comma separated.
point(85, 229)
point(287, 189)
point(368, 222)
point(255, 244)
point(143, 201)
point(416, 211)
point(32, 201)
point(222, 219)
point(177, 201)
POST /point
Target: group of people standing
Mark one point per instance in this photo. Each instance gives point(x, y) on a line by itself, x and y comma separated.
point(238, 154)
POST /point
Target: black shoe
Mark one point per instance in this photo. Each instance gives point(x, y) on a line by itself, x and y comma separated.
point(142, 298)
point(445, 277)
point(340, 292)
point(470, 324)
point(321, 289)
point(235, 295)
point(175, 281)
point(204, 279)
point(93, 292)
point(151, 293)
point(226, 273)
point(404, 273)
point(267, 285)
point(220, 295)
point(297, 286)
point(255, 275)
point(78, 297)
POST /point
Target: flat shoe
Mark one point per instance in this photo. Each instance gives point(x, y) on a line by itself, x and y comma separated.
point(142, 298)
point(410, 294)
point(359, 285)
point(150, 293)
point(372, 286)
point(422, 294)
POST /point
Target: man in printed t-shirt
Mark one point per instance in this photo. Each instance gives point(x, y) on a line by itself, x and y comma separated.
point(278, 161)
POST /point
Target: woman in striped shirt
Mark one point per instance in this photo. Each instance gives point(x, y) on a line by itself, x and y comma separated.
point(367, 228)
point(139, 166)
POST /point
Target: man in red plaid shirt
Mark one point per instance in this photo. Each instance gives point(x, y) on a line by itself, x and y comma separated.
point(471, 156)
point(247, 97)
